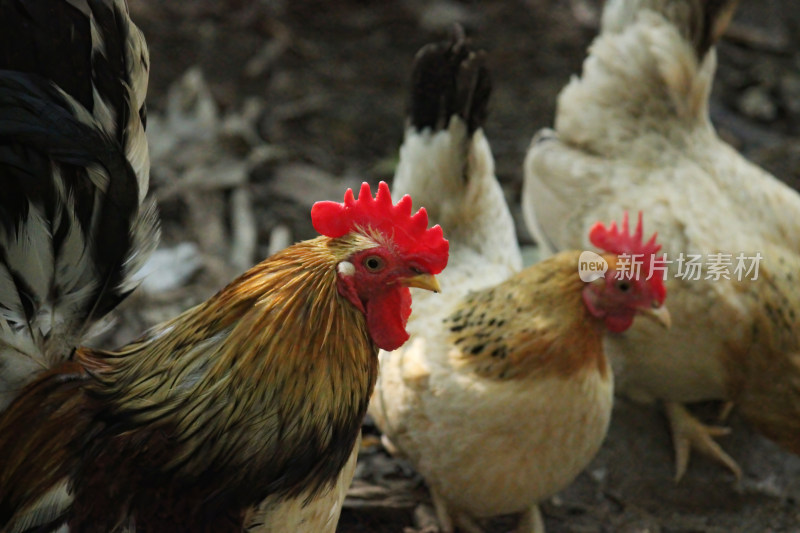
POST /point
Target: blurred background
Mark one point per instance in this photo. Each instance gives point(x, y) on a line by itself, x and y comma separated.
point(256, 109)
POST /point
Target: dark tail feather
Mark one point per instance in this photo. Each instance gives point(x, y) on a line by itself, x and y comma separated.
point(713, 21)
point(449, 78)
point(74, 221)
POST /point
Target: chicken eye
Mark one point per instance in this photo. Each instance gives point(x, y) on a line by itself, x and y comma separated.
point(373, 263)
point(623, 285)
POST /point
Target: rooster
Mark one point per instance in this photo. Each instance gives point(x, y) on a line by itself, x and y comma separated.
point(634, 132)
point(244, 404)
point(503, 394)
point(241, 413)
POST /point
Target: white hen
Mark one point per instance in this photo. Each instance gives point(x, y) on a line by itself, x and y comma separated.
point(633, 133)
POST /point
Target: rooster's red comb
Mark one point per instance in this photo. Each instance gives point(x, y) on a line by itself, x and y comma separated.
point(616, 241)
point(408, 233)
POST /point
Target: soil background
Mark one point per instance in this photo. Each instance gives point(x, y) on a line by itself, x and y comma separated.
point(259, 108)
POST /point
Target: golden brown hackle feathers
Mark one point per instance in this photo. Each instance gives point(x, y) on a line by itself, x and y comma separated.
point(259, 391)
point(270, 337)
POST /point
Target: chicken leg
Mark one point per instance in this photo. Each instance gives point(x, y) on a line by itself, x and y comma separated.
point(531, 521)
point(446, 523)
point(688, 433)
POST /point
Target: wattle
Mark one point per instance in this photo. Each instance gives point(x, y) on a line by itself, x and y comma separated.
point(387, 315)
point(618, 323)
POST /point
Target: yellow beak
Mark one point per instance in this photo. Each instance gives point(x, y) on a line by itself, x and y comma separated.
point(422, 281)
point(658, 314)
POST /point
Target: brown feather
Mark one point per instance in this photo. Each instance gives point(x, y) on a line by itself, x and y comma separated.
point(528, 325)
point(38, 457)
point(763, 373)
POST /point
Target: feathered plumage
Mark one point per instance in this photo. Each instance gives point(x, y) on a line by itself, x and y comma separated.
point(75, 224)
point(235, 411)
point(444, 140)
point(633, 132)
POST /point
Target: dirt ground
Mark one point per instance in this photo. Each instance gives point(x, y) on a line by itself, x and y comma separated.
point(298, 99)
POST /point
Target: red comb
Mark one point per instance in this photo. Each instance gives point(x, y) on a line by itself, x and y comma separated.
point(619, 242)
point(409, 233)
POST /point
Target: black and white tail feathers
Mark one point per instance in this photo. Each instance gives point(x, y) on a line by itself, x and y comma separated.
point(449, 78)
point(446, 163)
point(75, 224)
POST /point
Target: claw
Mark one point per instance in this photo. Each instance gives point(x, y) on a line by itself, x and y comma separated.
point(725, 411)
point(688, 433)
point(389, 446)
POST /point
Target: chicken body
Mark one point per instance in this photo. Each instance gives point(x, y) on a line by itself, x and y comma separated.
point(501, 397)
point(257, 394)
point(633, 132)
point(184, 408)
point(503, 394)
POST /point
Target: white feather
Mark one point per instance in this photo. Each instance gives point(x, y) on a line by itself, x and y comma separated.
point(346, 268)
point(452, 176)
point(104, 114)
point(43, 510)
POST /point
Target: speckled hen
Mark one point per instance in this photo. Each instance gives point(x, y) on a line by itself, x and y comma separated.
point(503, 393)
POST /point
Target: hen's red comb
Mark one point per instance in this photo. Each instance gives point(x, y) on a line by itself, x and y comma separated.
point(618, 242)
point(408, 233)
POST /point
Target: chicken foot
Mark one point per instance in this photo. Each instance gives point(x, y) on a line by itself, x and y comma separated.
point(688, 433)
point(530, 521)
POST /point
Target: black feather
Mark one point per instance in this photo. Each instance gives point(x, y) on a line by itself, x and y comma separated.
point(714, 19)
point(37, 120)
point(67, 124)
point(49, 38)
point(449, 78)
